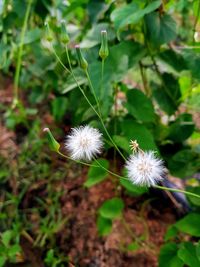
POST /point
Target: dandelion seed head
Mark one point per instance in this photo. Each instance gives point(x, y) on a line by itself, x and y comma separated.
point(84, 143)
point(145, 169)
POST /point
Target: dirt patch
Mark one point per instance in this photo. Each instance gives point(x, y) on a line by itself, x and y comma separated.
point(142, 222)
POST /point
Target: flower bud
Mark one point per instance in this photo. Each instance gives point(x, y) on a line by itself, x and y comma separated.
point(82, 61)
point(103, 52)
point(64, 34)
point(53, 144)
point(48, 33)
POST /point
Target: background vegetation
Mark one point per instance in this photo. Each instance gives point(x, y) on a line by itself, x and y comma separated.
point(57, 213)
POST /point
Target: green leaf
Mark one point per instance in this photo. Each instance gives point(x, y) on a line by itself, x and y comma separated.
point(131, 13)
point(133, 246)
point(32, 36)
point(13, 250)
point(198, 250)
point(136, 131)
point(173, 59)
point(112, 208)
point(93, 36)
point(122, 57)
point(97, 174)
point(192, 59)
point(189, 224)
point(140, 106)
point(2, 260)
point(161, 29)
point(194, 200)
point(187, 253)
point(6, 237)
point(59, 107)
point(104, 225)
point(181, 128)
point(171, 232)
point(168, 256)
point(168, 94)
point(122, 142)
point(71, 84)
point(133, 189)
point(184, 163)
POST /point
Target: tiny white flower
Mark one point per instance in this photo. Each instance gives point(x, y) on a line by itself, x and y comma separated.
point(144, 169)
point(84, 143)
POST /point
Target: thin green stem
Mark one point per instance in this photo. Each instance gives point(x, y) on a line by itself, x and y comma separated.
point(177, 190)
point(102, 76)
point(77, 161)
point(19, 55)
point(74, 77)
point(124, 178)
point(90, 104)
point(112, 173)
point(93, 91)
point(59, 60)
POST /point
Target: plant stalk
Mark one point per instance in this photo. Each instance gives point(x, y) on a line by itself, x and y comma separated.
point(19, 55)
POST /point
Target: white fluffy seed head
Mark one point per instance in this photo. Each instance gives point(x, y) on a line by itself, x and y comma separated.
point(84, 143)
point(145, 169)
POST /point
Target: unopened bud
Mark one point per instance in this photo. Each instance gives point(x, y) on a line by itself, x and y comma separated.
point(53, 144)
point(48, 33)
point(82, 61)
point(64, 34)
point(103, 52)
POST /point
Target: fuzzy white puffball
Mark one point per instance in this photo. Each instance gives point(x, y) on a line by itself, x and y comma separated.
point(145, 169)
point(84, 143)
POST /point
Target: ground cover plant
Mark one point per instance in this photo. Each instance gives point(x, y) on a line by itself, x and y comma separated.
point(113, 88)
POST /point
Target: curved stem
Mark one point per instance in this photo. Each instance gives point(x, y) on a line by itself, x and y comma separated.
point(124, 178)
point(112, 173)
point(176, 190)
point(90, 104)
point(19, 55)
point(77, 161)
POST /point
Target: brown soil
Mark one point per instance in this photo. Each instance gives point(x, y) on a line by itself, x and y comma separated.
point(142, 218)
